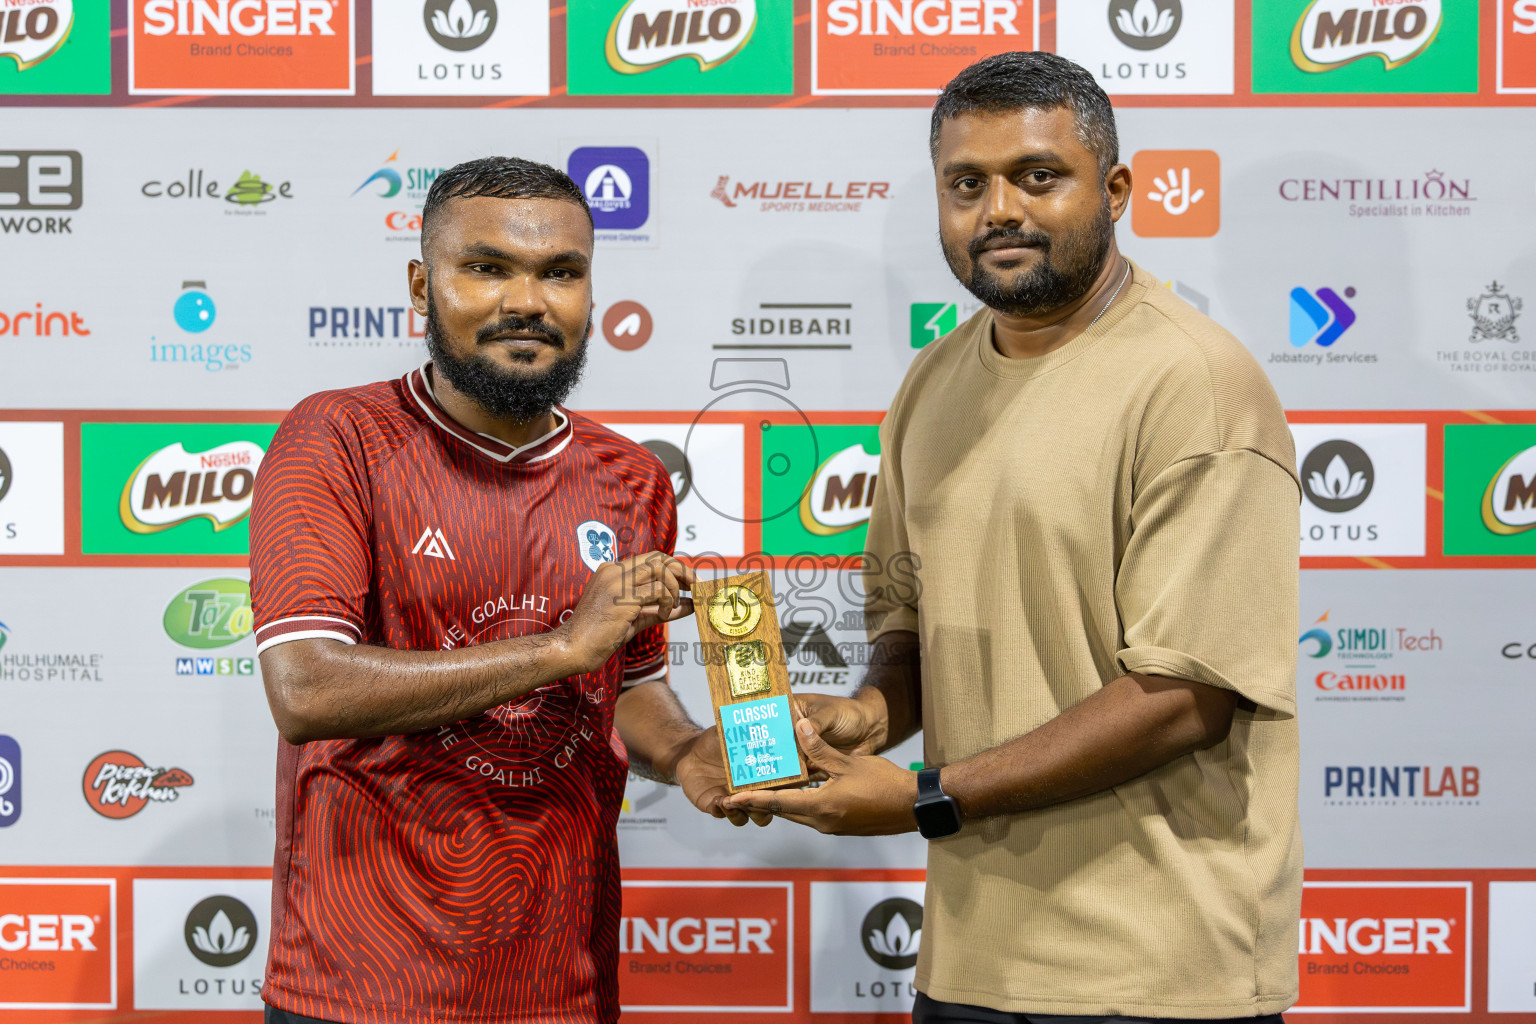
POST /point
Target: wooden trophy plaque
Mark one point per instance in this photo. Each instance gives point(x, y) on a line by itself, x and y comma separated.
point(748, 681)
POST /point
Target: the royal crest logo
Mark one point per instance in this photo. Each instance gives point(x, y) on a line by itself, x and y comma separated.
point(649, 33)
point(1494, 314)
point(1332, 33)
point(597, 544)
point(174, 486)
point(118, 784)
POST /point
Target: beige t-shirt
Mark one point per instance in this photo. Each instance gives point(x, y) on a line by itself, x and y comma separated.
point(1125, 503)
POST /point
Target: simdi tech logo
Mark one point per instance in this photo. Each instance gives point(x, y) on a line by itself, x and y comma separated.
point(240, 47)
point(169, 488)
point(680, 47)
point(1361, 46)
point(58, 938)
point(910, 47)
point(55, 47)
point(460, 48)
point(1490, 489)
point(1177, 193)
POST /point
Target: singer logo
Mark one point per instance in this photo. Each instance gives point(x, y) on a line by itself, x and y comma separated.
point(1517, 46)
point(910, 47)
point(1176, 194)
point(58, 944)
point(249, 47)
point(1386, 946)
point(722, 947)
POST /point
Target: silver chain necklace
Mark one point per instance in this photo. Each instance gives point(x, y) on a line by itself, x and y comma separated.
point(1123, 278)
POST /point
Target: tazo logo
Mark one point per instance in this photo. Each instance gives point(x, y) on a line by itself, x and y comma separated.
point(460, 24)
point(1509, 503)
point(221, 931)
point(1145, 24)
point(892, 932)
point(1337, 476)
point(840, 493)
point(118, 784)
point(1332, 33)
point(649, 33)
point(213, 613)
point(33, 34)
point(174, 485)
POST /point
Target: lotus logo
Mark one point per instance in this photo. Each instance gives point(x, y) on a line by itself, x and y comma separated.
point(1337, 476)
point(221, 931)
point(892, 932)
point(676, 463)
point(5, 473)
point(460, 24)
point(1145, 24)
point(1509, 503)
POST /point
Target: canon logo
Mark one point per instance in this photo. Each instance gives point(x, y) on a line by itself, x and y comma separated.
point(927, 17)
point(695, 935)
point(1367, 935)
point(1362, 681)
point(46, 933)
point(243, 17)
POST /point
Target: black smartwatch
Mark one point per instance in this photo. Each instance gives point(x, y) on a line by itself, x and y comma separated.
point(936, 812)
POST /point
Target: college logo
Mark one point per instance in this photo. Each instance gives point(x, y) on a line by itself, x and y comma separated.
point(596, 543)
point(1336, 476)
point(1516, 46)
point(10, 779)
point(627, 325)
point(33, 179)
point(1145, 24)
point(213, 613)
point(58, 942)
point(241, 47)
point(653, 47)
point(1494, 313)
point(1320, 317)
point(1364, 488)
point(732, 941)
point(1360, 46)
point(1386, 947)
point(910, 47)
point(892, 932)
point(462, 47)
point(1178, 195)
point(221, 931)
point(31, 490)
point(617, 183)
point(248, 190)
point(58, 47)
point(118, 784)
point(1490, 489)
point(174, 486)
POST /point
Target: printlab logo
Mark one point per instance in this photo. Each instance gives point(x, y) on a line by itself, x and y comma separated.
point(1145, 24)
point(460, 24)
point(617, 183)
point(221, 931)
point(1337, 476)
point(1494, 312)
point(892, 932)
point(119, 785)
point(1178, 193)
point(627, 325)
point(1320, 318)
point(10, 781)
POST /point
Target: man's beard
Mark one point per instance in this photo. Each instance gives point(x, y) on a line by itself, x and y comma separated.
point(508, 394)
point(1067, 267)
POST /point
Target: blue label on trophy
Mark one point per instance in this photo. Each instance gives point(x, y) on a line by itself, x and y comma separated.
point(759, 740)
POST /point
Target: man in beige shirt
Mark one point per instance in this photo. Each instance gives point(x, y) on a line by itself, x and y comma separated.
point(1082, 571)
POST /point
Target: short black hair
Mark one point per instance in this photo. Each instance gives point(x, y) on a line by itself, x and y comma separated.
point(499, 177)
point(1031, 79)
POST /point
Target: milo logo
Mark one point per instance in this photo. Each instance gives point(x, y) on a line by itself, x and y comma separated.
point(213, 613)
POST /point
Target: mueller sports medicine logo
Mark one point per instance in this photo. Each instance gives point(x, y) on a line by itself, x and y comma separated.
point(174, 486)
point(30, 33)
point(1509, 503)
point(911, 47)
point(799, 196)
point(118, 784)
point(1413, 785)
point(1385, 946)
point(1332, 33)
point(58, 944)
point(649, 33)
point(240, 46)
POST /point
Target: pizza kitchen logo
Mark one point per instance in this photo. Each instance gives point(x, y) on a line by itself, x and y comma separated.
point(174, 486)
point(118, 784)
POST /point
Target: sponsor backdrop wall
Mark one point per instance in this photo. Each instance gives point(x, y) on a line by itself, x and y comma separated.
point(206, 209)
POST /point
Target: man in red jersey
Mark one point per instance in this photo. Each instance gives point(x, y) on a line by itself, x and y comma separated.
point(460, 592)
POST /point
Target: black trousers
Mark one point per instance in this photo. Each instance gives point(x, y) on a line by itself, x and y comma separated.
point(931, 1011)
point(276, 1016)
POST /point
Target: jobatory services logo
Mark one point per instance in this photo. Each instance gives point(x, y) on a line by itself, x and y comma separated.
point(47, 181)
point(199, 943)
point(725, 947)
point(677, 47)
point(1177, 194)
point(884, 920)
point(827, 478)
point(627, 325)
point(1359, 46)
point(118, 784)
point(617, 183)
point(1364, 488)
point(31, 489)
point(56, 47)
point(1386, 946)
point(58, 941)
point(1318, 318)
point(169, 488)
point(1151, 47)
point(910, 47)
point(10, 779)
point(461, 48)
point(1490, 489)
point(240, 47)
point(210, 614)
point(1516, 61)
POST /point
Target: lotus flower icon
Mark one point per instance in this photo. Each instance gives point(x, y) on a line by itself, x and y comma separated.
point(1337, 482)
point(892, 932)
point(1144, 20)
point(221, 937)
point(898, 939)
point(461, 21)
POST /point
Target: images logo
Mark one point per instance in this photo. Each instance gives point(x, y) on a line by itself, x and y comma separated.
point(213, 613)
point(118, 784)
point(1184, 196)
point(627, 325)
point(1365, 46)
point(10, 778)
point(617, 183)
point(1336, 476)
point(59, 47)
point(194, 310)
point(1321, 318)
point(680, 47)
point(221, 931)
point(58, 941)
point(930, 321)
point(1494, 313)
point(244, 47)
point(1145, 24)
point(892, 932)
point(909, 47)
point(174, 485)
point(1490, 489)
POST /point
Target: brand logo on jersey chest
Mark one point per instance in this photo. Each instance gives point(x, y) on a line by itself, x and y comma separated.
point(433, 544)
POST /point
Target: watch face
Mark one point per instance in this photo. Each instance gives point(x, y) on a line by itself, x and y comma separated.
point(937, 817)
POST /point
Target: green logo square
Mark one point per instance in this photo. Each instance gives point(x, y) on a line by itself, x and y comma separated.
point(1354, 46)
point(930, 321)
point(168, 488)
point(1490, 489)
point(673, 48)
point(57, 48)
point(818, 486)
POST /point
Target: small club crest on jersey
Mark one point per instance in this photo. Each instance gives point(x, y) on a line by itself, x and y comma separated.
point(433, 544)
point(596, 543)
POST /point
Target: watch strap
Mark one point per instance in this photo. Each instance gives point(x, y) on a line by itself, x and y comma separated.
point(928, 784)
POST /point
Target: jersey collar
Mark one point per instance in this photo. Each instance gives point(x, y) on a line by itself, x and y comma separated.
point(419, 387)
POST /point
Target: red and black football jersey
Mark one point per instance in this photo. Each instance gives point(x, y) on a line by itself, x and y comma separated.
point(469, 873)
